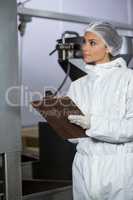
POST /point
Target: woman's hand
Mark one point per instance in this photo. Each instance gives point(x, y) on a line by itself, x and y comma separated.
point(80, 120)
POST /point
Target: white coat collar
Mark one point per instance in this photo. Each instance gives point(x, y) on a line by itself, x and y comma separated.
point(100, 69)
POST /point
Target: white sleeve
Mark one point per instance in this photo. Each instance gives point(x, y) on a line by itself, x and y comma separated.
point(114, 130)
point(72, 92)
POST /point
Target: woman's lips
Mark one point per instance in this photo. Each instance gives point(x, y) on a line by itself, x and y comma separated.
point(86, 55)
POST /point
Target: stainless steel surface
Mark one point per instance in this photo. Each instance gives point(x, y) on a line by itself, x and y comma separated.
point(10, 137)
point(13, 176)
point(124, 29)
point(127, 46)
point(127, 49)
point(126, 32)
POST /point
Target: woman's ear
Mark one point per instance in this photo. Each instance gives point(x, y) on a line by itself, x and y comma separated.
point(108, 50)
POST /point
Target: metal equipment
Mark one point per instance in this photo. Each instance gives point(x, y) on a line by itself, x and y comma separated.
point(124, 29)
point(10, 132)
point(70, 48)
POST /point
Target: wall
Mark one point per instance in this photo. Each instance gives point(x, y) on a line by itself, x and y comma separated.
point(106, 9)
point(39, 70)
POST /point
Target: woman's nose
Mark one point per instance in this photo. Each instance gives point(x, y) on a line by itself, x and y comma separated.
point(85, 47)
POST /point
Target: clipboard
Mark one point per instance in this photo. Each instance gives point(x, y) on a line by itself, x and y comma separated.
point(56, 111)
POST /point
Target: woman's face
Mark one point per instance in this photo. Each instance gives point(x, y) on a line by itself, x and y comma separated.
point(94, 49)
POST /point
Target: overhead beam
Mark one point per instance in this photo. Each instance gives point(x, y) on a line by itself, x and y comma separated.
point(124, 29)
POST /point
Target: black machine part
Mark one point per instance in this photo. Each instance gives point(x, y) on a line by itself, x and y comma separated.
point(69, 48)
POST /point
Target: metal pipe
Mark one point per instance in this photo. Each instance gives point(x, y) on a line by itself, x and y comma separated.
point(71, 18)
point(66, 17)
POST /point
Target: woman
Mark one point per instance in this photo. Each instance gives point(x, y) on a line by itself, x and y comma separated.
point(103, 164)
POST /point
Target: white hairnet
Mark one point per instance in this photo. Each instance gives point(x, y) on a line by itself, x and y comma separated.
point(108, 34)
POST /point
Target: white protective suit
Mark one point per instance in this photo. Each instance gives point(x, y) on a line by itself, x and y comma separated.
point(103, 164)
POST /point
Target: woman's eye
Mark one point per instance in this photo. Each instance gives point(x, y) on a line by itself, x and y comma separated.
point(92, 43)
